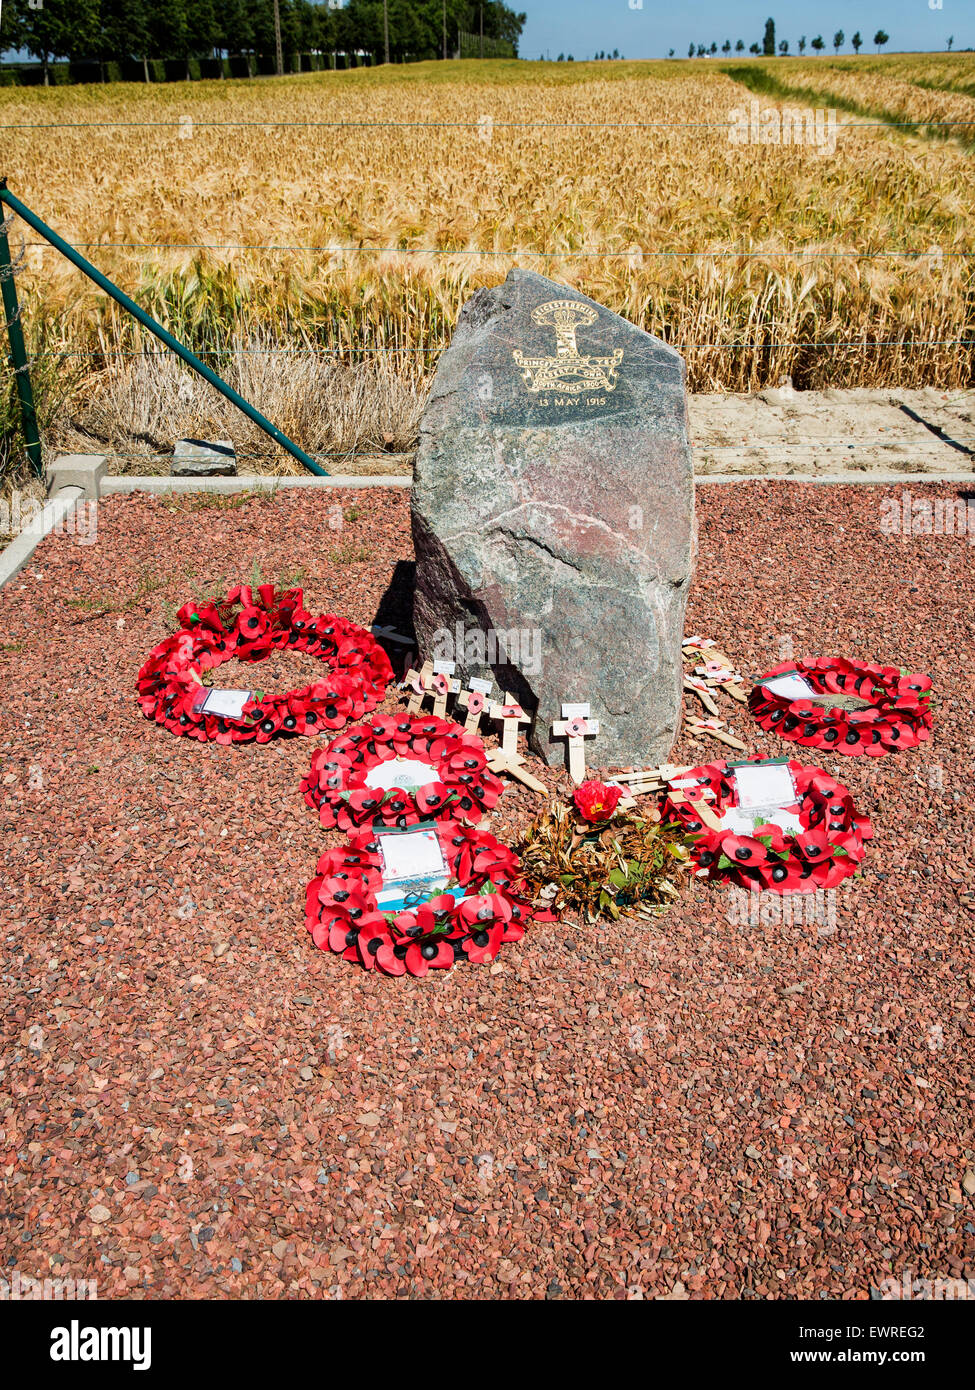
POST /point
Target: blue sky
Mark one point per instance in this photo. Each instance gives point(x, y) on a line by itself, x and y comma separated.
point(650, 28)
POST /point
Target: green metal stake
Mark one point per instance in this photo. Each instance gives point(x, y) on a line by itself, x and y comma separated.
point(188, 357)
point(18, 356)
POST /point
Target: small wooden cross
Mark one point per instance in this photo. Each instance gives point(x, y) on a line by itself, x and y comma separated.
point(512, 715)
point(576, 726)
point(647, 779)
point(627, 801)
point(513, 763)
point(443, 685)
point(716, 728)
point(474, 701)
point(694, 797)
point(718, 671)
point(700, 689)
point(420, 684)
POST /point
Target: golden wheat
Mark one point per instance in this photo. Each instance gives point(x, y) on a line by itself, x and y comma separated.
point(556, 178)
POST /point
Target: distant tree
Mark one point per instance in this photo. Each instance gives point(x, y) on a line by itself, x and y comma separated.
point(802, 44)
point(124, 32)
point(740, 46)
point(9, 29)
point(818, 44)
point(838, 39)
point(202, 29)
point(784, 47)
point(690, 51)
point(856, 41)
point(60, 29)
point(167, 28)
point(237, 29)
point(670, 54)
point(616, 53)
point(560, 58)
point(570, 59)
point(726, 46)
point(714, 48)
point(701, 50)
point(754, 48)
point(768, 42)
point(880, 38)
point(951, 40)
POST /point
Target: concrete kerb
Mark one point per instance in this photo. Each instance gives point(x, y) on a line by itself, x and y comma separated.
point(254, 482)
point(16, 555)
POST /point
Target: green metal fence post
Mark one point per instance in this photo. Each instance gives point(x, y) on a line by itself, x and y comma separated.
point(18, 355)
point(191, 360)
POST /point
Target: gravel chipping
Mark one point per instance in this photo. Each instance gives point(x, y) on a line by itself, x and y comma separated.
point(194, 1102)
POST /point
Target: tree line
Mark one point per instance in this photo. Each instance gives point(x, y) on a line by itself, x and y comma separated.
point(144, 30)
point(769, 48)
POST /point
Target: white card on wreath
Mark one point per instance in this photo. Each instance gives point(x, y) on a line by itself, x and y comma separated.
point(578, 711)
point(444, 668)
point(408, 773)
point(483, 687)
point(414, 854)
point(226, 704)
point(789, 685)
point(745, 822)
point(764, 785)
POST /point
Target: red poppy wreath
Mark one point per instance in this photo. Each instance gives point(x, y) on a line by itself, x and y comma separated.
point(250, 625)
point(399, 770)
point(828, 847)
point(483, 905)
point(878, 708)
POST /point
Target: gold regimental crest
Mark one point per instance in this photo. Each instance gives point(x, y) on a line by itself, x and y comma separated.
point(569, 370)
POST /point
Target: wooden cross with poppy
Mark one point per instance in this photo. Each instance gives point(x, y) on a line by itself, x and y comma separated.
point(694, 796)
point(507, 758)
point(474, 701)
point(700, 689)
point(420, 684)
point(717, 670)
point(443, 685)
point(576, 726)
point(716, 728)
point(642, 780)
point(511, 715)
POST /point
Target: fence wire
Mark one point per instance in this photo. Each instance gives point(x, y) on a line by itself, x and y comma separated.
point(934, 253)
point(448, 125)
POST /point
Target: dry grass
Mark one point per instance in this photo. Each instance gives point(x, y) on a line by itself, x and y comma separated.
point(562, 190)
point(139, 408)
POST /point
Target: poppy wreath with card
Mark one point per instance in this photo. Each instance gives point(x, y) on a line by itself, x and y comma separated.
point(353, 781)
point(249, 625)
point(828, 849)
point(894, 707)
point(471, 921)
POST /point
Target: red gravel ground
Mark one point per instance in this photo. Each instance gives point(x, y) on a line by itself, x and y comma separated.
point(196, 1102)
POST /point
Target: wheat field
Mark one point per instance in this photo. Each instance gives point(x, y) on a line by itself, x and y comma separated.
point(617, 178)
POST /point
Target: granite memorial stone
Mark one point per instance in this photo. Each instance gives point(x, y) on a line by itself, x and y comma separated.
point(553, 514)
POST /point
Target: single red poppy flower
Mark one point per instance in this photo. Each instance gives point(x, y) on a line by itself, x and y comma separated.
point(595, 801)
point(484, 942)
point(433, 954)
